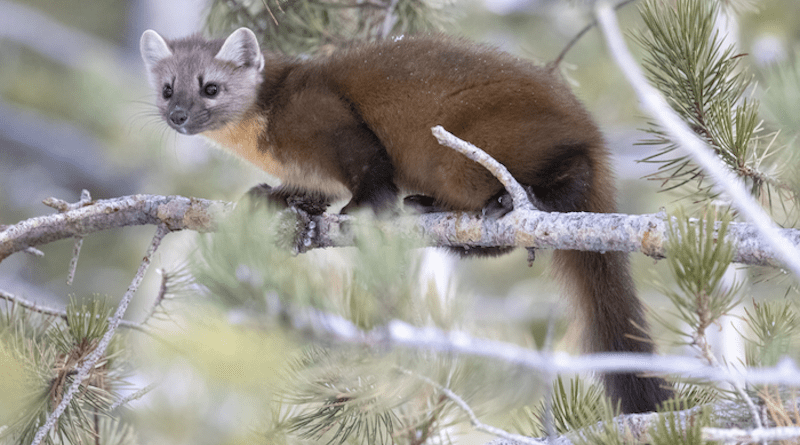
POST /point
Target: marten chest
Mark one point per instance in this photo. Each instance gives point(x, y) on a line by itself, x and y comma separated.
point(248, 140)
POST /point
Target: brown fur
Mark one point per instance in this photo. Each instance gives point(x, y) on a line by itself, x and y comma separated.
point(358, 122)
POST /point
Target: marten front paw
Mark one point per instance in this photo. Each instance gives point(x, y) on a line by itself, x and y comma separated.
point(307, 207)
point(310, 203)
point(264, 194)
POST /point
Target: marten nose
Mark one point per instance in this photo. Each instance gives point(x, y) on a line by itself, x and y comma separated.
point(178, 116)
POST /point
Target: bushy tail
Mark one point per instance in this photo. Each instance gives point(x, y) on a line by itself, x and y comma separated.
point(603, 290)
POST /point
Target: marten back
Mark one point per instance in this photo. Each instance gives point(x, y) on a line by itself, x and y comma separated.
point(513, 110)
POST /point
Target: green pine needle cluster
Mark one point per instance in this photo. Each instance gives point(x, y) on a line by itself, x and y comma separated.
point(603, 433)
point(340, 397)
point(774, 332)
point(585, 414)
point(573, 408)
point(685, 428)
point(302, 26)
point(781, 101)
point(692, 395)
point(701, 78)
point(337, 393)
point(699, 256)
point(46, 350)
point(246, 263)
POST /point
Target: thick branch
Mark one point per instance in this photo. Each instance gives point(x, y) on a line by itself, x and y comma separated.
point(543, 230)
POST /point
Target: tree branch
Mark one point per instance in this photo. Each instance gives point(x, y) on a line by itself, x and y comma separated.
point(569, 231)
point(498, 170)
point(657, 107)
point(46, 310)
point(89, 362)
point(327, 327)
point(176, 212)
point(639, 425)
point(473, 418)
point(751, 436)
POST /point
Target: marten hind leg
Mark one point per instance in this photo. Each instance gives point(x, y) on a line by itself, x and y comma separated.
point(373, 186)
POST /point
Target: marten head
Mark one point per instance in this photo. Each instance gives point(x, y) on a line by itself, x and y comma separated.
point(203, 84)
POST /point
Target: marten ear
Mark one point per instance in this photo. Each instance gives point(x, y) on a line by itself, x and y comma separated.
point(241, 49)
point(153, 49)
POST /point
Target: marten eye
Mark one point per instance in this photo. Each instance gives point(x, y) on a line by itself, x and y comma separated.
point(210, 89)
point(166, 92)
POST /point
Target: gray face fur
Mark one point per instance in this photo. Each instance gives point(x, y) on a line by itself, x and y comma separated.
point(203, 85)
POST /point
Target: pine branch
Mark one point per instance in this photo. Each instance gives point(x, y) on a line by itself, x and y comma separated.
point(639, 427)
point(600, 232)
point(657, 107)
point(176, 212)
point(763, 435)
point(45, 310)
point(498, 170)
point(91, 360)
point(322, 326)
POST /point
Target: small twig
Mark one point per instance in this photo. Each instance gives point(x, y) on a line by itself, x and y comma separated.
point(705, 349)
point(64, 206)
point(162, 293)
point(389, 20)
point(473, 419)
point(518, 194)
point(135, 396)
point(33, 251)
point(73, 263)
point(731, 435)
point(90, 361)
point(554, 64)
point(45, 310)
point(549, 420)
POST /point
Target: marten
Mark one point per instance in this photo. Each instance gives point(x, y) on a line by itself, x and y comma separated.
point(357, 123)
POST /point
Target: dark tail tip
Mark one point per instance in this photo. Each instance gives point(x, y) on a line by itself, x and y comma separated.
point(637, 394)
